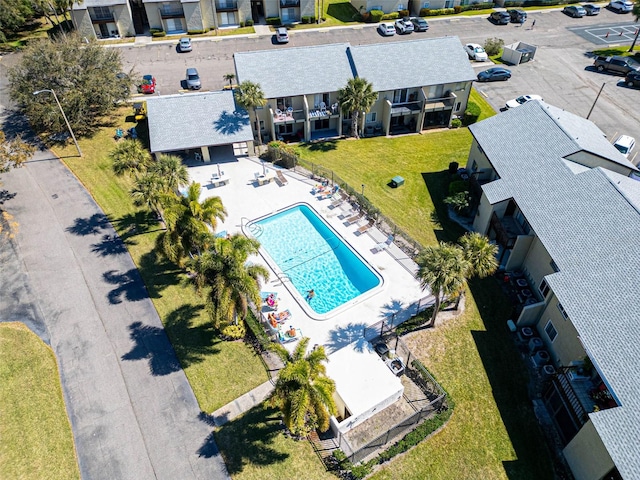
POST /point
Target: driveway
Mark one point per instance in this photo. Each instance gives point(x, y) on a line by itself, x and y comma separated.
point(69, 277)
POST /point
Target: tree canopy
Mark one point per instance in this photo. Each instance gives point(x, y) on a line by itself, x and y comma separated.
point(13, 16)
point(250, 96)
point(356, 97)
point(83, 75)
point(13, 153)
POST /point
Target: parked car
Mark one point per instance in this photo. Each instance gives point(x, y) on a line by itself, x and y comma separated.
point(282, 36)
point(387, 29)
point(591, 9)
point(148, 84)
point(575, 11)
point(185, 44)
point(494, 74)
point(476, 52)
point(500, 18)
point(616, 64)
point(633, 79)
point(521, 100)
point(621, 6)
point(193, 79)
point(404, 25)
point(517, 16)
point(419, 24)
point(624, 144)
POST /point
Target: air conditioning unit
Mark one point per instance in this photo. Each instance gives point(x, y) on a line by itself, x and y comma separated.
point(535, 344)
point(548, 370)
point(525, 334)
point(541, 358)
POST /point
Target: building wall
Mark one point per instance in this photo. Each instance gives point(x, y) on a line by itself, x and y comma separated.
point(153, 15)
point(387, 6)
point(483, 215)
point(519, 252)
point(271, 8)
point(355, 420)
point(589, 160)
point(82, 22)
point(307, 8)
point(566, 347)
point(587, 456)
point(244, 10)
point(124, 20)
point(479, 163)
point(193, 16)
point(537, 264)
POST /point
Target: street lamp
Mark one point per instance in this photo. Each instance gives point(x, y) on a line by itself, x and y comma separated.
point(50, 90)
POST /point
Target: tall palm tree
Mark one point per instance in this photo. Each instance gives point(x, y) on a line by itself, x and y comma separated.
point(149, 190)
point(232, 281)
point(130, 157)
point(190, 223)
point(303, 392)
point(250, 96)
point(357, 96)
point(636, 14)
point(480, 253)
point(229, 77)
point(171, 170)
point(442, 269)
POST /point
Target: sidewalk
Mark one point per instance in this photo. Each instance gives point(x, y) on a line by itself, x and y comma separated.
point(243, 403)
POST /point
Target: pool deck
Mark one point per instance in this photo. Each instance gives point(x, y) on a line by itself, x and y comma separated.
point(246, 199)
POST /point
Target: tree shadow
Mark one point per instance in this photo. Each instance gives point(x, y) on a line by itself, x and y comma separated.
point(151, 343)
point(191, 342)
point(160, 272)
point(129, 285)
point(247, 440)
point(89, 226)
point(6, 195)
point(229, 123)
point(138, 223)
point(324, 146)
point(343, 11)
point(110, 245)
point(438, 185)
point(340, 337)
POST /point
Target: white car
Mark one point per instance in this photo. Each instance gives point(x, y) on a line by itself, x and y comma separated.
point(185, 44)
point(621, 6)
point(476, 52)
point(521, 100)
point(625, 144)
point(387, 29)
point(282, 36)
point(404, 25)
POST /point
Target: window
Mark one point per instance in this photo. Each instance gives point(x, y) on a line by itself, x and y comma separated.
point(425, 5)
point(322, 124)
point(474, 166)
point(319, 99)
point(400, 96)
point(400, 7)
point(283, 103)
point(564, 314)
point(544, 288)
point(554, 266)
point(371, 117)
point(227, 18)
point(550, 330)
point(458, 104)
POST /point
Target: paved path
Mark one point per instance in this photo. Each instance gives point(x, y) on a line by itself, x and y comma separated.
point(133, 413)
point(242, 404)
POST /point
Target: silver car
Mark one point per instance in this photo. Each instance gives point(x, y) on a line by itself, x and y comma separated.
point(193, 79)
point(185, 44)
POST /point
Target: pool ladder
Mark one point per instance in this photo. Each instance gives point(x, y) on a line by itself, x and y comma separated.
point(254, 229)
point(283, 277)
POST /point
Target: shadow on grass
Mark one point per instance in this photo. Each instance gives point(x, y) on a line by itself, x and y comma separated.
point(325, 146)
point(248, 440)
point(191, 341)
point(343, 11)
point(138, 223)
point(151, 343)
point(158, 272)
point(509, 381)
point(438, 185)
point(340, 337)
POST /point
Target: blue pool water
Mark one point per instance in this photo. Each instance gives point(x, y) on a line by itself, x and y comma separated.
point(314, 257)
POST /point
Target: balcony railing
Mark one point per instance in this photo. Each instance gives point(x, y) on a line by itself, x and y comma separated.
point(289, 3)
point(101, 17)
point(171, 11)
point(288, 116)
point(507, 230)
point(443, 103)
point(227, 6)
point(406, 108)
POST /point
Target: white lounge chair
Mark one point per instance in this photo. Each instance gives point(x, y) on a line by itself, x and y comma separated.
point(384, 245)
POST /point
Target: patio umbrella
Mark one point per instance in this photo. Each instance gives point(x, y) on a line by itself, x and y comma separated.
point(219, 174)
point(264, 170)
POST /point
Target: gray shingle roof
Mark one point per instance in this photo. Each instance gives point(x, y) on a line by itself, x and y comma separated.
point(178, 122)
point(591, 229)
point(289, 72)
point(416, 63)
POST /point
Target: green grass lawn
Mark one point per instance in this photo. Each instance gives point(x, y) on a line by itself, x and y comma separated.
point(206, 360)
point(35, 433)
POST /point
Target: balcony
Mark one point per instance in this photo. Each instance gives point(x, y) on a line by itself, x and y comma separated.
point(507, 230)
point(289, 3)
point(288, 116)
point(405, 108)
point(227, 6)
point(444, 103)
point(172, 11)
point(102, 17)
point(323, 112)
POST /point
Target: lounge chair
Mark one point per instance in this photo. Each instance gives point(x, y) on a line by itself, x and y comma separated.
point(354, 218)
point(286, 337)
point(281, 178)
point(366, 227)
point(283, 316)
point(384, 245)
point(265, 296)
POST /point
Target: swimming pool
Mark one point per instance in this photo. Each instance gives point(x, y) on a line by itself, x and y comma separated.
point(313, 256)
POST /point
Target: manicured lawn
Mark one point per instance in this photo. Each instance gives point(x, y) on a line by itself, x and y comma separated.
point(206, 360)
point(623, 51)
point(35, 433)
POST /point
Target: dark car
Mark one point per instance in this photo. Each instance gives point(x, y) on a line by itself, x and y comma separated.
point(500, 18)
point(632, 79)
point(148, 84)
point(494, 74)
point(575, 11)
point(591, 9)
point(517, 16)
point(419, 24)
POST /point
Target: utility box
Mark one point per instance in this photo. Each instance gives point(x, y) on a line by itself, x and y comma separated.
point(397, 181)
point(519, 52)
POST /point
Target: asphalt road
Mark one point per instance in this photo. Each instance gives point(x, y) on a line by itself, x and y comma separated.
point(561, 72)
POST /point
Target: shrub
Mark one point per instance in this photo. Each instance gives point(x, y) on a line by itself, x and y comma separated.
point(159, 34)
point(458, 186)
point(424, 12)
point(154, 30)
point(242, 24)
point(248, 22)
point(403, 13)
point(375, 16)
point(274, 21)
point(234, 332)
point(479, 6)
point(453, 168)
point(195, 32)
point(513, 4)
point(456, 123)
point(471, 114)
point(308, 19)
point(457, 9)
point(459, 202)
point(493, 46)
point(390, 16)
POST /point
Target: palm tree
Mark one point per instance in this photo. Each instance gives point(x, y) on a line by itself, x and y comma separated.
point(229, 77)
point(232, 282)
point(171, 170)
point(303, 392)
point(130, 157)
point(358, 96)
point(442, 269)
point(636, 13)
point(190, 223)
point(249, 95)
point(149, 190)
point(480, 253)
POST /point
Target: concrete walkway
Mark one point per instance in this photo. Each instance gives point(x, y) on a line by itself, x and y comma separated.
point(71, 279)
point(243, 403)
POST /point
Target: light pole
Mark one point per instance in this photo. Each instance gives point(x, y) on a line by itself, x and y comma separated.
point(50, 90)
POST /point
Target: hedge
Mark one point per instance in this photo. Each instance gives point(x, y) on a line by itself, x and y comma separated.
point(471, 114)
point(159, 34)
point(274, 21)
point(375, 16)
point(308, 19)
point(390, 16)
point(248, 22)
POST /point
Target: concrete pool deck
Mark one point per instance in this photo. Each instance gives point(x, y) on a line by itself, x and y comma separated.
point(245, 200)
